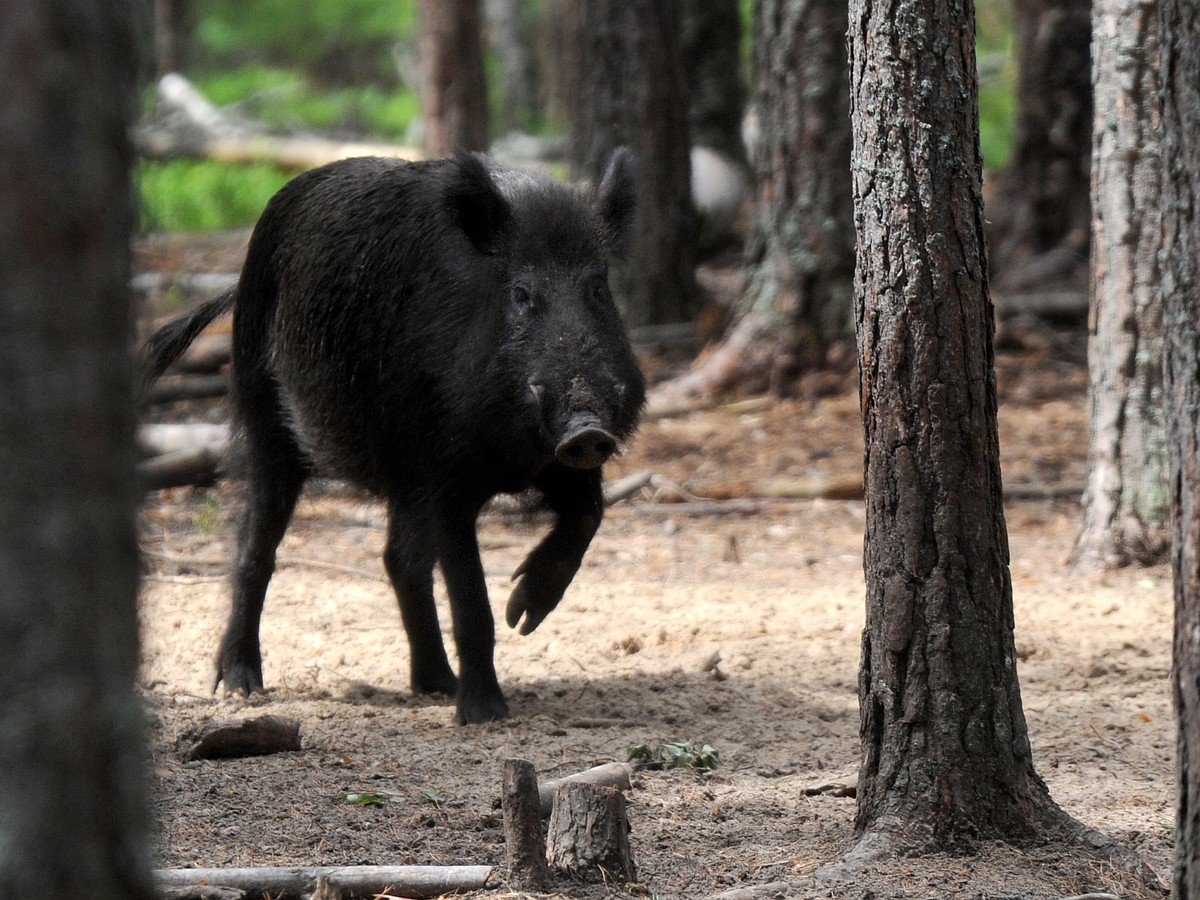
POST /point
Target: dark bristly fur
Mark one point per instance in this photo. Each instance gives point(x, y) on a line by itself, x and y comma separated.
point(437, 333)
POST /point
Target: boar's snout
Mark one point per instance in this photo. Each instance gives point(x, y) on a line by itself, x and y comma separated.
point(586, 444)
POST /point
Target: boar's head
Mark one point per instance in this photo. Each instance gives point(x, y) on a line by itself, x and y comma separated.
point(558, 339)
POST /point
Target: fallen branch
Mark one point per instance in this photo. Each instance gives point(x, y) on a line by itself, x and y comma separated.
point(187, 387)
point(169, 438)
point(198, 465)
point(360, 881)
point(284, 152)
point(613, 775)
point(260, 736)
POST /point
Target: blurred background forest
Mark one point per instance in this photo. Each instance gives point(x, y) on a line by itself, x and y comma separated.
point(348, 70)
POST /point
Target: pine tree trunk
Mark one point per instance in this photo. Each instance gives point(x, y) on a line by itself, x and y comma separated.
point(1180, 21)
point(1126, 501)
point(630, 92)
point(453, 85)
point(72, 816)
point(946, 753)
point(800, 255)
point(1041, 216)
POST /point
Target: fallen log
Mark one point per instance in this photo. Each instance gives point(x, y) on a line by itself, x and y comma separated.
point(180, 468)
point(155, 439)
point(173, 388)
point(358, 881)
point(260, 736)
point(288, 153)
point(610, 775)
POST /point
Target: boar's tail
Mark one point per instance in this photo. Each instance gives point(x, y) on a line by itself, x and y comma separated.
point(168, 343)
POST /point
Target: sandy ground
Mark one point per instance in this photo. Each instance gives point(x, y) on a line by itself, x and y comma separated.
point(626, 660)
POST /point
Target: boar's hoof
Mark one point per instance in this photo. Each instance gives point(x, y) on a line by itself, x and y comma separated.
point(480, 710)
point(586, 447)
point(440, 682)
point(240, 679)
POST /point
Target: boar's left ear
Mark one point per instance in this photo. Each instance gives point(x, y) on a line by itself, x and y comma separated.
point(616, 199)
point(477, 204)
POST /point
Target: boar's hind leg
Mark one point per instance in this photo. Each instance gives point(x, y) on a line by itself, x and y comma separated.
point(479, 698)
point(576, 496)
point(275, 474)
point(409, 558)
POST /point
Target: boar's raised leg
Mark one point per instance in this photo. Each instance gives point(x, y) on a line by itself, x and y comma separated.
point(577, 498)
point(275, 474)
point(409, 558)
point(479, 698)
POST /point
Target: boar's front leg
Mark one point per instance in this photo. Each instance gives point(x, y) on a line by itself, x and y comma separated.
point(479, 698)
point(577, 498)
point(409, 558)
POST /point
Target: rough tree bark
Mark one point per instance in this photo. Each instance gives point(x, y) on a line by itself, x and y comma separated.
point(1180, 32)
point(1040, 213)
point(1125, 501)
point(72, 816)
point(800, 256)
point(453, 85)
point(629, 91)
point(946, 753)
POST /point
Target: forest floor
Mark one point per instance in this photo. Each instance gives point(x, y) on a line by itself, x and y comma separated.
point(771, 590)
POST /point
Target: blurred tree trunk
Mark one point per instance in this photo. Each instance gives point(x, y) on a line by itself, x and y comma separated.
point(172, 34)
point(946, 757)
point(800, 256)
point(1041, 219)
point(629, 91)
point(1126, 500)
point(711, 47)
point(453, 85)
point(72, 802)
point(512, 35)
point(1180, 24)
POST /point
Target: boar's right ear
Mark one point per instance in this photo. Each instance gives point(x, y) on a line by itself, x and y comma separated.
point(616, 199)
point(477, 204)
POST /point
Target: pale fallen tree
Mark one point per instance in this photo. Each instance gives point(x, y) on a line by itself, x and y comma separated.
point(302, 882)
point(188, 126)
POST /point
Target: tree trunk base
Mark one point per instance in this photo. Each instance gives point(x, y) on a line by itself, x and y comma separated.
point(589, 834)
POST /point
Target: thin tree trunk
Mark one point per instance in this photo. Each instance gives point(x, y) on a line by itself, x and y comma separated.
point(72, 814)
point(631, 92)
point(946, 753)
point(1041, 217)
point(1126, 500)
point(800, 257)
point(1180, 23)
point(453, 85)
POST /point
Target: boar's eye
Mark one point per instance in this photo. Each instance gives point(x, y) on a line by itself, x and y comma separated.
point(521, 299)
point(596, 289)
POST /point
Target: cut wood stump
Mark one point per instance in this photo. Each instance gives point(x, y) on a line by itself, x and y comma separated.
point(589, 834)
point(523, 827)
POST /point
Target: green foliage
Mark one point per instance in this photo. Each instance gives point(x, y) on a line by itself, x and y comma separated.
point(286, 99)
point(188, 195)
point(309, 34)
point(997, 107)
point(208, 516)
point(676, 755)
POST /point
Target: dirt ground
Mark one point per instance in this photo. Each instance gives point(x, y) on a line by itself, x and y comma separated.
point(774, 587)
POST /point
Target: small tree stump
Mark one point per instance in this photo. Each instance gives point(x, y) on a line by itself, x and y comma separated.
point(523, 827)
point(589, 834)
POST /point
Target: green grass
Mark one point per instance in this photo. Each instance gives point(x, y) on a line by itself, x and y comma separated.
point(285, 99)
point(188, 195)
